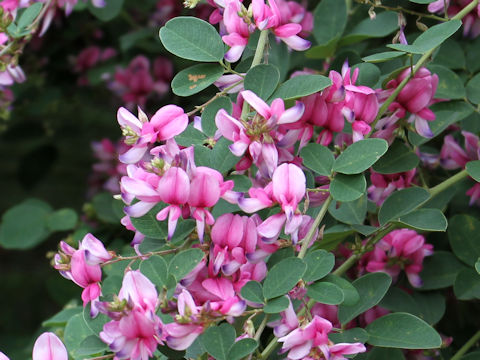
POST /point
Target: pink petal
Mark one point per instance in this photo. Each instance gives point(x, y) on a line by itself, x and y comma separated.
point(258, 104)
point(49, 347)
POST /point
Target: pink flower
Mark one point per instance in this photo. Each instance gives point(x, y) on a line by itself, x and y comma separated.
point(48, 347)
point(400, 249)
point(135, 336)
point(234, 238)
point(338, 350)
point(174, 189)
point(415, 98)
point(385, 184)
point(287, 323)
point(95, 252)
point(87, 277)
point(139, 291)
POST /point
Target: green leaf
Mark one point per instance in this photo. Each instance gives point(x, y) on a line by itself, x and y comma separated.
point(467, 285)
point(348, 187)
point(359, 156)
point(322, 51)
point(148, 224)
point(276, 305)
point(91, 345)
point(473, 169)
point(25, 225)
point(398, 158)
point(75, 332)
point(193, 39)
point(194, 79)
point(440, 270)
point(424, 220)
point(404, 331)
point(378, 353)
point(431, 38)
point(62, 220)
point(211, 110)
point(430, 306)
point(464, 237)
point(401, 203)
point(262, 80)
point(130, 39)
point(369, 74)
point(450, 55)
point(477, 265)
point(318, 158)
point(242, 348)
point(450, 85)
point(155, 268)
point(218, 340)
point(349, 336)
point(107, 208)
point(384, 24)
point(282, 277)
point(28, 15)
point(253, 291)
point(371, 289)
point(473, 89)
point(219, 158)
point(184, 262)
point(325, 293)
point(383, 56)
point(349, 212)
point(330, 18)
point(60, 319)
point(422, 1)
point(190, 136)
point(170, 353)
point(242, 182)
point(350, 293)
point(301, 86)
point(94, 324)
point(108, 12)
point(319, 264)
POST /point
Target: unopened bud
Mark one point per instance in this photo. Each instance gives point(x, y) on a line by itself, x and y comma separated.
point(371, 13)
point(158, 163)
point(142, 116)
point(190, 4)
point(421, 26)
point(249, 328)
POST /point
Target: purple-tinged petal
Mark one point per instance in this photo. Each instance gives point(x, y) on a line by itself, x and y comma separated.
point(258, 104)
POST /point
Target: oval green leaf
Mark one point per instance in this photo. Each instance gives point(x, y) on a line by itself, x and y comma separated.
point(325, 293)
point(318, 158)
point(218, 340)
point(348, 187)
point(276, 305)
point(282, 277)
point(371, 289)
point(424, 220)
point(253, 291)
point(473, 169)
point(319, 264)
point(359, 156)
point(398, 158)
point(155, 268)
point(262, 80)
point(184, 262)
point(404, 331)
point(467, 285)
point(440, 270)
point(195, 78)
point(193, 39)
point(300, 86)
point(401, 203)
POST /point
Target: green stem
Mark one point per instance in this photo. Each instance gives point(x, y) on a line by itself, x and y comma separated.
point(342, 269)
point(257, 59)
point(261, 327)
point(311, 232)
point(447, 183)
point(383, 109)
point(268, 350)
point(466, 346)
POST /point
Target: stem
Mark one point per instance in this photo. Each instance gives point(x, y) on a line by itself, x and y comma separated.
point(6, 48)
point(139, 257)
point(261, 327)
point(447, 183)
point(311, 232)
point(221, 93)
point(268, 350)
point(466, 346)
point(465, 10)
point(407, 11)
point(257, 59)
point(342, 269)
